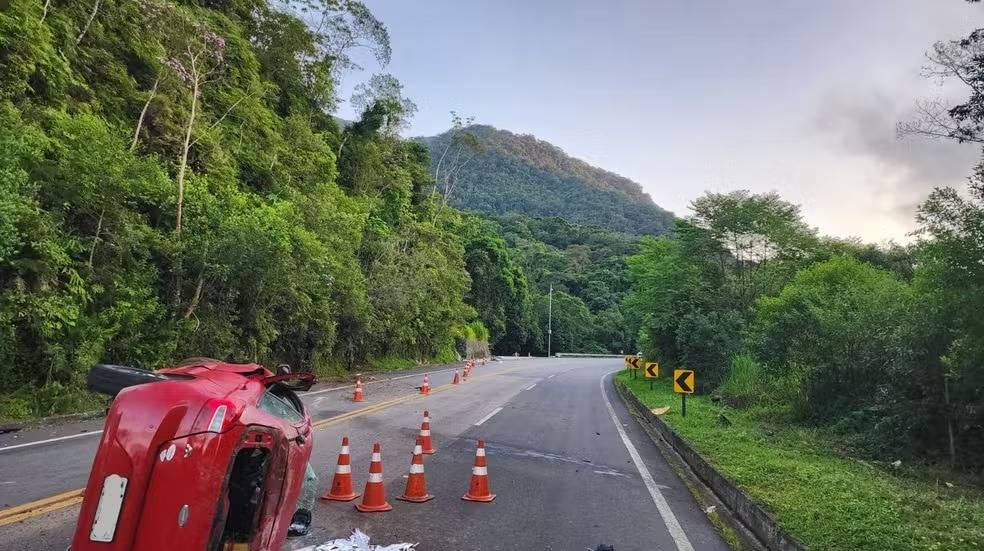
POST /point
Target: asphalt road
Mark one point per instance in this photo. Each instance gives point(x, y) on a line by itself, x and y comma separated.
point(571, 468)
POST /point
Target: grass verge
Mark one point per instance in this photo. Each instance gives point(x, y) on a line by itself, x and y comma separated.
point(826, 500)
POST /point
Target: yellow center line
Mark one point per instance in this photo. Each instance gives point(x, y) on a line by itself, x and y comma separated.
point(399, 400)
point(74, 497)
point(40, 507)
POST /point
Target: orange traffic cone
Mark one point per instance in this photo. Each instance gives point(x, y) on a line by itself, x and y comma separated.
point(374, 496)
point(357, 397)
point(341, 484)
point(478, 489)
point(426, 387)
point(416, 490)
point(425, 434)
point(456, 380)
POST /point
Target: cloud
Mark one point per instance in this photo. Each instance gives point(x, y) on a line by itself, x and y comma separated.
point(903, 170)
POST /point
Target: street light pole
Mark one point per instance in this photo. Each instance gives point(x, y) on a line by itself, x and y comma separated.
point(549, 319)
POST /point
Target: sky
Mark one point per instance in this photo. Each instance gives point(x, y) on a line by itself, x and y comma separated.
point(794, 96)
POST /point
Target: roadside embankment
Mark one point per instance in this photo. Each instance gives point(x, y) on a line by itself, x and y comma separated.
point(809, 491)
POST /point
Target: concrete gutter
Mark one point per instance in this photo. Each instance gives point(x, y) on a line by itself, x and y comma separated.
point(752, 515)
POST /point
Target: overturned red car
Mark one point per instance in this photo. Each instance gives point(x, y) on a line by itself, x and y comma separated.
point(206, 455)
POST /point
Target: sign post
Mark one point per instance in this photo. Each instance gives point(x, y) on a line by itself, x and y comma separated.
point(651, 372)
point(683, 384)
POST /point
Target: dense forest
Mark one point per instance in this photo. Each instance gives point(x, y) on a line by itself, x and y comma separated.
point(496, 172)
point(585, 266)
point(879, 346)
point(174, 183)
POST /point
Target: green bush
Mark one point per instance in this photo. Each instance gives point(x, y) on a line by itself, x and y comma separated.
point(840, 328)
point(15, 407)
point(742, 383)
point(706, 341)
point(446, 354)
point(478, 331)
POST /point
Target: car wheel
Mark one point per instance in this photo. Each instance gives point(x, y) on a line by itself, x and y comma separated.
point(111, 379)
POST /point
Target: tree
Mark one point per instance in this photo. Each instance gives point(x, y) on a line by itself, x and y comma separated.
point(344, 25)
point(693, 291)
point(962, 60)
point(499, 290)
point(949, 275)
point(664, 286)
point(752, 230)
point(950, 278)
point(572, 323)
point(839, 329)
point(460, 149)
point(195, 62)
point(385, 88)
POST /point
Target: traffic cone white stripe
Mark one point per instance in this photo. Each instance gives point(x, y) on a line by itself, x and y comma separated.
point(416, 469)
point(376, 457)
point(375, 477)
point(478, 487)
point(418, 449)
point(425, 435)
point(341, 483)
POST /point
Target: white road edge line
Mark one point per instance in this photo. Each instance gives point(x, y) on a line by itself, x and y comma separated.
point(530, 387)
point(552, 376)
point(671, 522)
point(302, 395)
point(39, 442)
point(489, 416)
point(336, 388)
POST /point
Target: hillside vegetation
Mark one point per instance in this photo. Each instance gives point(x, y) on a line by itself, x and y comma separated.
point(173, 183)
point(511, 173)
point(880, 347)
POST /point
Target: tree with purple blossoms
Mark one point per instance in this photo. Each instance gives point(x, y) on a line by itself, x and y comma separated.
point(195, 65)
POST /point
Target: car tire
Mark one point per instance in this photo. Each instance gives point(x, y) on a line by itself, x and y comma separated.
point(111, 379)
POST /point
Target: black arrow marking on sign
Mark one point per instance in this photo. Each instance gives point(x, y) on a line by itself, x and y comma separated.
point(651, 370)
point(681, 381)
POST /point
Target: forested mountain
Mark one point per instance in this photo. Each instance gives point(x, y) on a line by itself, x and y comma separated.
point(501, 172)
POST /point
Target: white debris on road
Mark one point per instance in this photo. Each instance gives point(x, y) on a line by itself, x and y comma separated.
point(358, 542)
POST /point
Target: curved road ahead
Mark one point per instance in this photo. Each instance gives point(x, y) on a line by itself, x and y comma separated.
point(571, 467)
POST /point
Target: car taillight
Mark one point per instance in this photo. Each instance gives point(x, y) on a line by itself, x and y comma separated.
point(218, 415)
